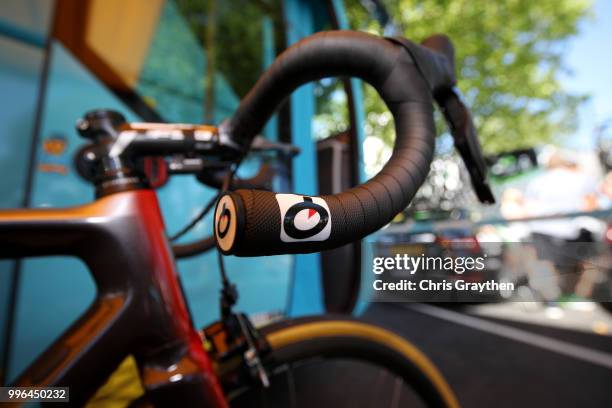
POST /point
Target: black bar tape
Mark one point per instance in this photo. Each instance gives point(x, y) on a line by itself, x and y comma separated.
point(254, 223)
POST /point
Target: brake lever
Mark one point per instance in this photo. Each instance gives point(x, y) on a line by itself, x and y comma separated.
point(435, 60)
point(462, 128)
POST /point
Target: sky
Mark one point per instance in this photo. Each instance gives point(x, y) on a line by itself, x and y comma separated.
point(589, 56)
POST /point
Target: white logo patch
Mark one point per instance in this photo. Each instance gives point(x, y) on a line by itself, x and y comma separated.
point(303, 218)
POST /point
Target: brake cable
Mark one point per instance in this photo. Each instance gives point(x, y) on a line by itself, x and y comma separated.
point(197, 247)
point(195, 221)
point(211, 203)
point(229, 293)
point(228, 298)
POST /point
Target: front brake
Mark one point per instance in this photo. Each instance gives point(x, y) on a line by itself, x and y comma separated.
point(235, 343)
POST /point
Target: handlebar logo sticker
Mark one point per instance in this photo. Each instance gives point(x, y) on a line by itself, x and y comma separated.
point(225, 222)
point(303, 218)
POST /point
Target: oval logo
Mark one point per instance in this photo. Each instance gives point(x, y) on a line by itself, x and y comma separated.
point(306, 219)
point(303, 218)
point(225, 222)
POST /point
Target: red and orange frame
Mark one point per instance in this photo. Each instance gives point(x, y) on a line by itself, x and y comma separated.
point(139, 309)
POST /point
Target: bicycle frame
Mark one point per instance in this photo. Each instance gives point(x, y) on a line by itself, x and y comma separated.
point(139, 308)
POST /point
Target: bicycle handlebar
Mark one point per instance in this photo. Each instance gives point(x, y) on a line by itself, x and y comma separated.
point(253, 223)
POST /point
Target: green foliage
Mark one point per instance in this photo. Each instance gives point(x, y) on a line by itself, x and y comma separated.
point(233, 36)
point(332, 113)
point(509, 61)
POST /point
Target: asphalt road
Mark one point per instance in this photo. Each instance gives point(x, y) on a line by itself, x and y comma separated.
point(497, 362)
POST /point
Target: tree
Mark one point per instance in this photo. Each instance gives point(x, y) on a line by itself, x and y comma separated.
point(509, 57)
